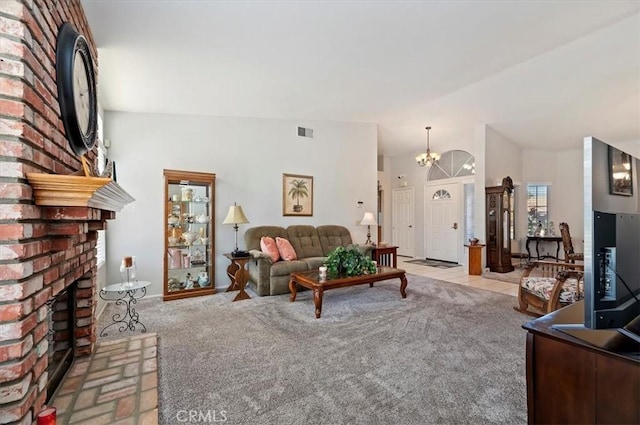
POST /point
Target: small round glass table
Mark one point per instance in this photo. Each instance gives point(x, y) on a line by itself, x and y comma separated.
point(127, 295)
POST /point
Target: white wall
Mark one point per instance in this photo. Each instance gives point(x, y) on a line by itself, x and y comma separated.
point(632, 148)
point(101, 282)
point(567, 198)
point(479, 201)
point(503, 158)
point(386, 178)
point(248, 156)
point(415, 177)
point(498, 157)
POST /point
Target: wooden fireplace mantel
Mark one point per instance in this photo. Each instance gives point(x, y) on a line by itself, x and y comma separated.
point(78, 191)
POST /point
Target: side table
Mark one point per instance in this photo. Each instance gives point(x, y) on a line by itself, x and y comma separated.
point(538, 239)
point(385, 256)
point(475, 259)
point(239, 276)
point(127, 295)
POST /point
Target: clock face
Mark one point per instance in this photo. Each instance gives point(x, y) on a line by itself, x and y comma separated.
point(77, 92)
point(81, 93)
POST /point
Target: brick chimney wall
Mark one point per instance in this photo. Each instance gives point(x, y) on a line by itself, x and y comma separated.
point(42, 249)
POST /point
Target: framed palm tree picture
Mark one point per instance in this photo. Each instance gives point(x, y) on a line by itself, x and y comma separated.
point(297, 195)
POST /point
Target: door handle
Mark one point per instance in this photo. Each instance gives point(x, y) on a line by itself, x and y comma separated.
point(455, 226)
point(410, 226)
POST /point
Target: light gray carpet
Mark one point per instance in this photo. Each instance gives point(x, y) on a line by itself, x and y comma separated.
point(511, 277)
point(446, 354)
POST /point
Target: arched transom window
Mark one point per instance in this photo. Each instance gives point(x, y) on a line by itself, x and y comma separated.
point(441, 194)
point(451, 164)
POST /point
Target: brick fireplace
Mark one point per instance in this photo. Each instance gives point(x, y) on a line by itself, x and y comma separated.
point(37, 266)
point(44, 250)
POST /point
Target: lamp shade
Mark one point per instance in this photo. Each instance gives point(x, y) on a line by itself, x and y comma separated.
point(235, 215)
point(368, 220)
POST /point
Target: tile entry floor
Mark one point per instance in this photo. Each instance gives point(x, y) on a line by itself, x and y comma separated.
point(458, 275)
point(118, 383)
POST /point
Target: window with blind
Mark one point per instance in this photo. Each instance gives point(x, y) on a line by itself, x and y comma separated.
point(537, 207)
point(101, 244)
point(469, 208)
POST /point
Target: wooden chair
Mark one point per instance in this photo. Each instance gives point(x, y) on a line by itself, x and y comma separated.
point(569, 255)
point(547, 285)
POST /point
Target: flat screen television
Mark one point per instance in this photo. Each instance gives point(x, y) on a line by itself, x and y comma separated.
point(611, 238)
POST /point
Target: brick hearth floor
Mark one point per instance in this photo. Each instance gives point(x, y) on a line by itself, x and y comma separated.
point(116, 385)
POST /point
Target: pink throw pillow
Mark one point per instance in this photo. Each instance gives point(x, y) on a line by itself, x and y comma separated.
point(286, 250)
point(268, 246)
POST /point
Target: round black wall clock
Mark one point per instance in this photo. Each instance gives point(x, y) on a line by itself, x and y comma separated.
point(77, 94)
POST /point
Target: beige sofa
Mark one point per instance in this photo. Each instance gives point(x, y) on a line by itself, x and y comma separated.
point(312, 245)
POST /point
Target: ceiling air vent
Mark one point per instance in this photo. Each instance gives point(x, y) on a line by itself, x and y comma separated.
point(305, 132)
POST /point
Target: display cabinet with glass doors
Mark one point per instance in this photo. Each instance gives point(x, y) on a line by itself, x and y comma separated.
point(189, 234)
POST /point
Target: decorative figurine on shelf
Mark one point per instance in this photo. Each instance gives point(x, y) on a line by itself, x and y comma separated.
point(173, 239)
point(188, 283)
point(203, 279)
point(175, 258)
point(197, 256)
point(174, 284)
point(551, 231)
point(173, 220)
point(202, 219)
point(189, 237)
point(187, 194)
point(539, 229)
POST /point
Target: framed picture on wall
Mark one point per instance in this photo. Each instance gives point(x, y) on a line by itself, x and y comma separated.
point(297, 195)
point(620, 172)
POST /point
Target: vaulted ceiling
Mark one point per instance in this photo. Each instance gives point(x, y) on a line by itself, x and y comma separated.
point(544, 74)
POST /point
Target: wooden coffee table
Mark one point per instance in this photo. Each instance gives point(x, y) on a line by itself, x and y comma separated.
point(311, 280)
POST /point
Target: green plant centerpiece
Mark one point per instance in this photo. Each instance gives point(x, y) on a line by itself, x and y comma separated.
point(349, 261)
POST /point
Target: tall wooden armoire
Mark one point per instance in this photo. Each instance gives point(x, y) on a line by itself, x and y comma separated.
point(499, 207)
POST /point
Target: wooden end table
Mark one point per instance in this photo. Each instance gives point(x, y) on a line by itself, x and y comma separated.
point(385, 256)
point(311, 280)
point(475, 259)
point(239, 276)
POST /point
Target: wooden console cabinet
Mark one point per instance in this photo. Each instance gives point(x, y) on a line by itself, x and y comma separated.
point(586, 377)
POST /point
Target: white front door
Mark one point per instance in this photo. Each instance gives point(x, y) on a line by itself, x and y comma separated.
point(402, 221)
point(441, 222)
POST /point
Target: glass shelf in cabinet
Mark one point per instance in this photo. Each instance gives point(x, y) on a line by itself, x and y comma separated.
point(194, 288)
point(193, 266)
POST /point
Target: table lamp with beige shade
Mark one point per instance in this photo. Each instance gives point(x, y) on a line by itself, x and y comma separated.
point(236, 216)
point(368, 220)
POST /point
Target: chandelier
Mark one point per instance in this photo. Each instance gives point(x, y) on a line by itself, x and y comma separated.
point(429, 158)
